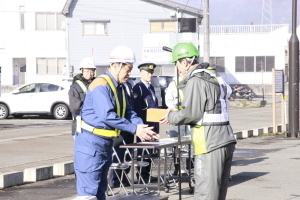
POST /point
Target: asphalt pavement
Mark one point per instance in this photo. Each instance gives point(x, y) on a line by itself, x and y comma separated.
point(264, 167)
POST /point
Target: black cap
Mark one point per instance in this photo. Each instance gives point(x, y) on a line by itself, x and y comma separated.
point(149, 67)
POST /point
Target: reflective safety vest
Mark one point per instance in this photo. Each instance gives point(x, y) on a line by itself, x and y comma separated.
point(180, 95)
point(84, 88)
point(219, 114)
point(121, 113)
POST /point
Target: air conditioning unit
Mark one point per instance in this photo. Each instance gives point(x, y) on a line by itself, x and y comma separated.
point(187, 25)
point(172, 14)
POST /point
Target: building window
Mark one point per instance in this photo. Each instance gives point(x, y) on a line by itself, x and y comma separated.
point(49, 21)
point(239, 64)
point(162, 26)
point(50, 66)
point(254, 64)
point(22, 19)
point(216, 62)
point(249, 64)
point(94, 28)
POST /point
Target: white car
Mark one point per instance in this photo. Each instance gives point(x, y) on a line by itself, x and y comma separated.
point(37, 99)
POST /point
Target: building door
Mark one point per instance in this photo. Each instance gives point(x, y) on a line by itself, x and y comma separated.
point(19, 67)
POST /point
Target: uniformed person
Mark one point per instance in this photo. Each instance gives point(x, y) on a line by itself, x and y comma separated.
point(79, 88)
point(144, 98)
point(205, 108)
point(104, 114)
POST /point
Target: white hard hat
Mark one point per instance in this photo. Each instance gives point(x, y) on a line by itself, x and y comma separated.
point(122, 54)
point(87, 62)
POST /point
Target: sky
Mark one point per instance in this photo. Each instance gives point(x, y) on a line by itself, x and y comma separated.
point(243, 12)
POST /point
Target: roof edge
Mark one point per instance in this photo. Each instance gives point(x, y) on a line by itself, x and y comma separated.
point(168, 3)
point(180, 6)
point(66, 8)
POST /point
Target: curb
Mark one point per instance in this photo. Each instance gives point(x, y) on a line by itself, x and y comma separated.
point(65, 168)
point(255, 132)
point(36, 174)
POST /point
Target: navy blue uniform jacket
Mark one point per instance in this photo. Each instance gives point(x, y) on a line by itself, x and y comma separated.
point(142, 101)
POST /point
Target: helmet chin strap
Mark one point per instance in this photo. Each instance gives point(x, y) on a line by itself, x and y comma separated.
point(115, 72)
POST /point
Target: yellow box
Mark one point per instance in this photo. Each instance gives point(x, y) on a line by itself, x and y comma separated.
point(154, 114)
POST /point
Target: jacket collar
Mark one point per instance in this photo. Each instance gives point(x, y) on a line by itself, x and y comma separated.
point(189, 75)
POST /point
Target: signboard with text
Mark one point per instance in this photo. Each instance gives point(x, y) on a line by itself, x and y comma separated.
point(152, 48)
point(279, 81)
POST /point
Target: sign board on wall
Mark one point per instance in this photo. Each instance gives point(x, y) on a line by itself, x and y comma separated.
point(152, 48)
point(279, 81)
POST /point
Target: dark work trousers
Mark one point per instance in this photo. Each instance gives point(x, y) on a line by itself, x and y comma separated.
point(212, 172)
point(128, 138)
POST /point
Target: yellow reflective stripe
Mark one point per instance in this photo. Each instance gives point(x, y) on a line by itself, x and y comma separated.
point(106, 133)
point(99, 131)
point(124, 107)
point(199, 140)
point(114, 89)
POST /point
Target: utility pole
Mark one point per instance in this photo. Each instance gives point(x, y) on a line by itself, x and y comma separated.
point(206, 53)
point(294, 77)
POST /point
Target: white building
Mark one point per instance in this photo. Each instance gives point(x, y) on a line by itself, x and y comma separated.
point(32, 41)
point(39, 43)
point(246, 54)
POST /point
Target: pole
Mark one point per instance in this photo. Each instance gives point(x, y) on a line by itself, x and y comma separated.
point(206, 53)
point(179, 138)
point(294, 76)
point(0, 81)
point(274, 101)
point(179, 143)
point(282, 113)
point(262, 81)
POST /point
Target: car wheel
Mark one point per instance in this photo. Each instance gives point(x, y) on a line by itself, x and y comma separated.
point(61, 111)
point(17, 116)
point(3, 111)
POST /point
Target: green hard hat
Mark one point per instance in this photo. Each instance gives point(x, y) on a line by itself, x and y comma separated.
point(183, 50)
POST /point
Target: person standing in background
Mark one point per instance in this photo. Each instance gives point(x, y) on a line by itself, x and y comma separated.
point(144, 98)
point(79, 88)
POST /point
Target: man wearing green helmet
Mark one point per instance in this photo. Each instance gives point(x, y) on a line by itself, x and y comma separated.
point(205, 108)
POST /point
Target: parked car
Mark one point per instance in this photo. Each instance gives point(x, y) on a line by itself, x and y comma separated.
point(43, 98)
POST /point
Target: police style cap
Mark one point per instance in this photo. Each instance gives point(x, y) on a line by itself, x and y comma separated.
point(149, 67)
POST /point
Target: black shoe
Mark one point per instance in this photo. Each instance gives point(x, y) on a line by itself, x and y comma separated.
point(153, 179)
point(116, 185)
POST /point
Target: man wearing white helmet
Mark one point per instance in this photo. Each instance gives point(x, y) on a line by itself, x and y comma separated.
point(79, 87)
point(105, 113)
